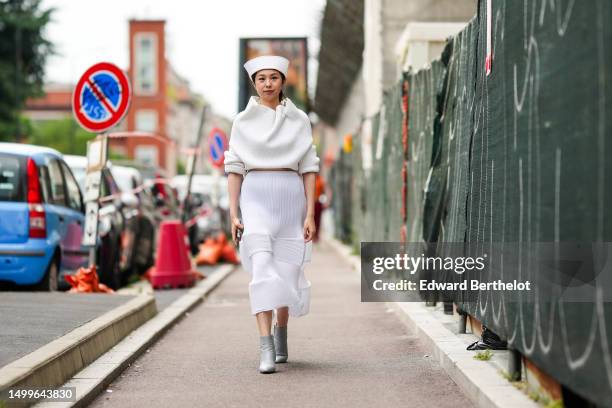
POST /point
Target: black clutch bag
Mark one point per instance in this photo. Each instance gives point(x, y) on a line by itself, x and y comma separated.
point(238, 237)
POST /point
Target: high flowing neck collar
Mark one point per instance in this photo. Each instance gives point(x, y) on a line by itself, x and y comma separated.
point(286, 107)
point(271, 138)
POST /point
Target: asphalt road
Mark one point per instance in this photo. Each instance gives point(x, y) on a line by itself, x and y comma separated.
point(344, 353)
point(29, 320)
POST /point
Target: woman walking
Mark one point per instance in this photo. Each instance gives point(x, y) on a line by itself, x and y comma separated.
point(271, 165)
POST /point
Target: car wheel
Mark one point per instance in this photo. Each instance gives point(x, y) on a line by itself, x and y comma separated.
point(109, 269)
point(115, 269)
point(50, 281)
point(194, 245)
point(151, 251)
point(147, 241)
point(151, 257)
point(144, 259)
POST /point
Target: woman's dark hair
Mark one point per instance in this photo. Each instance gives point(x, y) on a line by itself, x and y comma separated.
point(281, 96)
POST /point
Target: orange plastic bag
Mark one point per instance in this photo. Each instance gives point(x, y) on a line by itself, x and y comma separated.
point(210, 252)
point(221, 238)
point(228, 253)
point(86, 281)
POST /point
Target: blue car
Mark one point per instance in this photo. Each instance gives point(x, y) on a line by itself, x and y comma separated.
point(41, 218)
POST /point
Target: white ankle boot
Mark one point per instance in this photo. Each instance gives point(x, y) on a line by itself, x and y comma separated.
point(280, 344)
point(267, 354)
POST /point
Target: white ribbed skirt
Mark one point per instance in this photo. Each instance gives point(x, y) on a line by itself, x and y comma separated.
point(272, 248)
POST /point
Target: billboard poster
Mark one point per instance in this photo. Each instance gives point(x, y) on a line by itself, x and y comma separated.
point(294, 49)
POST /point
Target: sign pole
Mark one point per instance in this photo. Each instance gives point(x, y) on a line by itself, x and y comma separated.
point(193, 165)
point(97, 155)
point(100, 100)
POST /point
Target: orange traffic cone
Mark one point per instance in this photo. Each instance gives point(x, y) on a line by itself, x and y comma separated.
point(172, 264)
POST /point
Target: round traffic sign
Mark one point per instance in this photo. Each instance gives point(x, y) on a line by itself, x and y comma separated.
point(101, 97)
point(217, 142)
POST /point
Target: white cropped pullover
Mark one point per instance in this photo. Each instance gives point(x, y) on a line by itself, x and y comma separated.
point(263, 137)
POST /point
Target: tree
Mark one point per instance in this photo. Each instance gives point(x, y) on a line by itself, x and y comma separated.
point(23, 53)
point(64, 135)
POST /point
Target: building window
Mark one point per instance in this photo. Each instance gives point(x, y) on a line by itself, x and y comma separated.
point(146, 120)
point(146, 155)
point(145, 63)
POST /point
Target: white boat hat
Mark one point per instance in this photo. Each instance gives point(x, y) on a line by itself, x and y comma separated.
point(278, 63)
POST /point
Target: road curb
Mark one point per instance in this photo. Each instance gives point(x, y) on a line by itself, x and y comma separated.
point(481, 381)
point(93, 379)
point(54, 363)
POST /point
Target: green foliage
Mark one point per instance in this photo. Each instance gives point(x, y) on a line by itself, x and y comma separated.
point(538, 396)
point(64, 135)
point(484, 355)
point(508, 377)
point(23, 53)
point(10, 128)
point(180, 167)
point(114, 156)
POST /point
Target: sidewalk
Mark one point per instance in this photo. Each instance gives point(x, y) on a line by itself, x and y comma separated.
point(344, 353)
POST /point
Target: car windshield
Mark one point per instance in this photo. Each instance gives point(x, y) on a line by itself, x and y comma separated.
point(10, 174)
point(79, 175)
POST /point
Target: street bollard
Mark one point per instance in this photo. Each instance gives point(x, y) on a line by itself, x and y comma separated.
point(514, 364)
point(448, 308)
point(462, 321)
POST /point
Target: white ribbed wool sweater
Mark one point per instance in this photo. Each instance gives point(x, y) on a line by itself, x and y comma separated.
point(263, 137)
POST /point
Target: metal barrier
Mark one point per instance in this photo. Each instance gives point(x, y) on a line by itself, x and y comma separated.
point(520, 155)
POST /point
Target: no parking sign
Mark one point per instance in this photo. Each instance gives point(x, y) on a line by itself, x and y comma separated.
point(101, 97)
point(217, 142)
point(100, 100)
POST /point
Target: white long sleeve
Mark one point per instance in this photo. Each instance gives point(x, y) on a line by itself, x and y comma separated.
point(310, 162)
point(233, 163)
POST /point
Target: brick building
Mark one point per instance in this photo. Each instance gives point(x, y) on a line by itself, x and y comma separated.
point(163, 104)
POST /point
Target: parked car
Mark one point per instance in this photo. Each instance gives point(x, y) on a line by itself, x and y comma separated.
point(206, 192)
point(201, 227)
point(156, 183)
point(112, 228)
point(139, 212)
point(165, 197)
point(41, 217)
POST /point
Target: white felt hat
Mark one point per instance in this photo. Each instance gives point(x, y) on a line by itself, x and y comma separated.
point(280, 64)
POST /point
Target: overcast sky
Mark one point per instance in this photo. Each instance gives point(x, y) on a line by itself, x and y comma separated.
point(201, 37)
